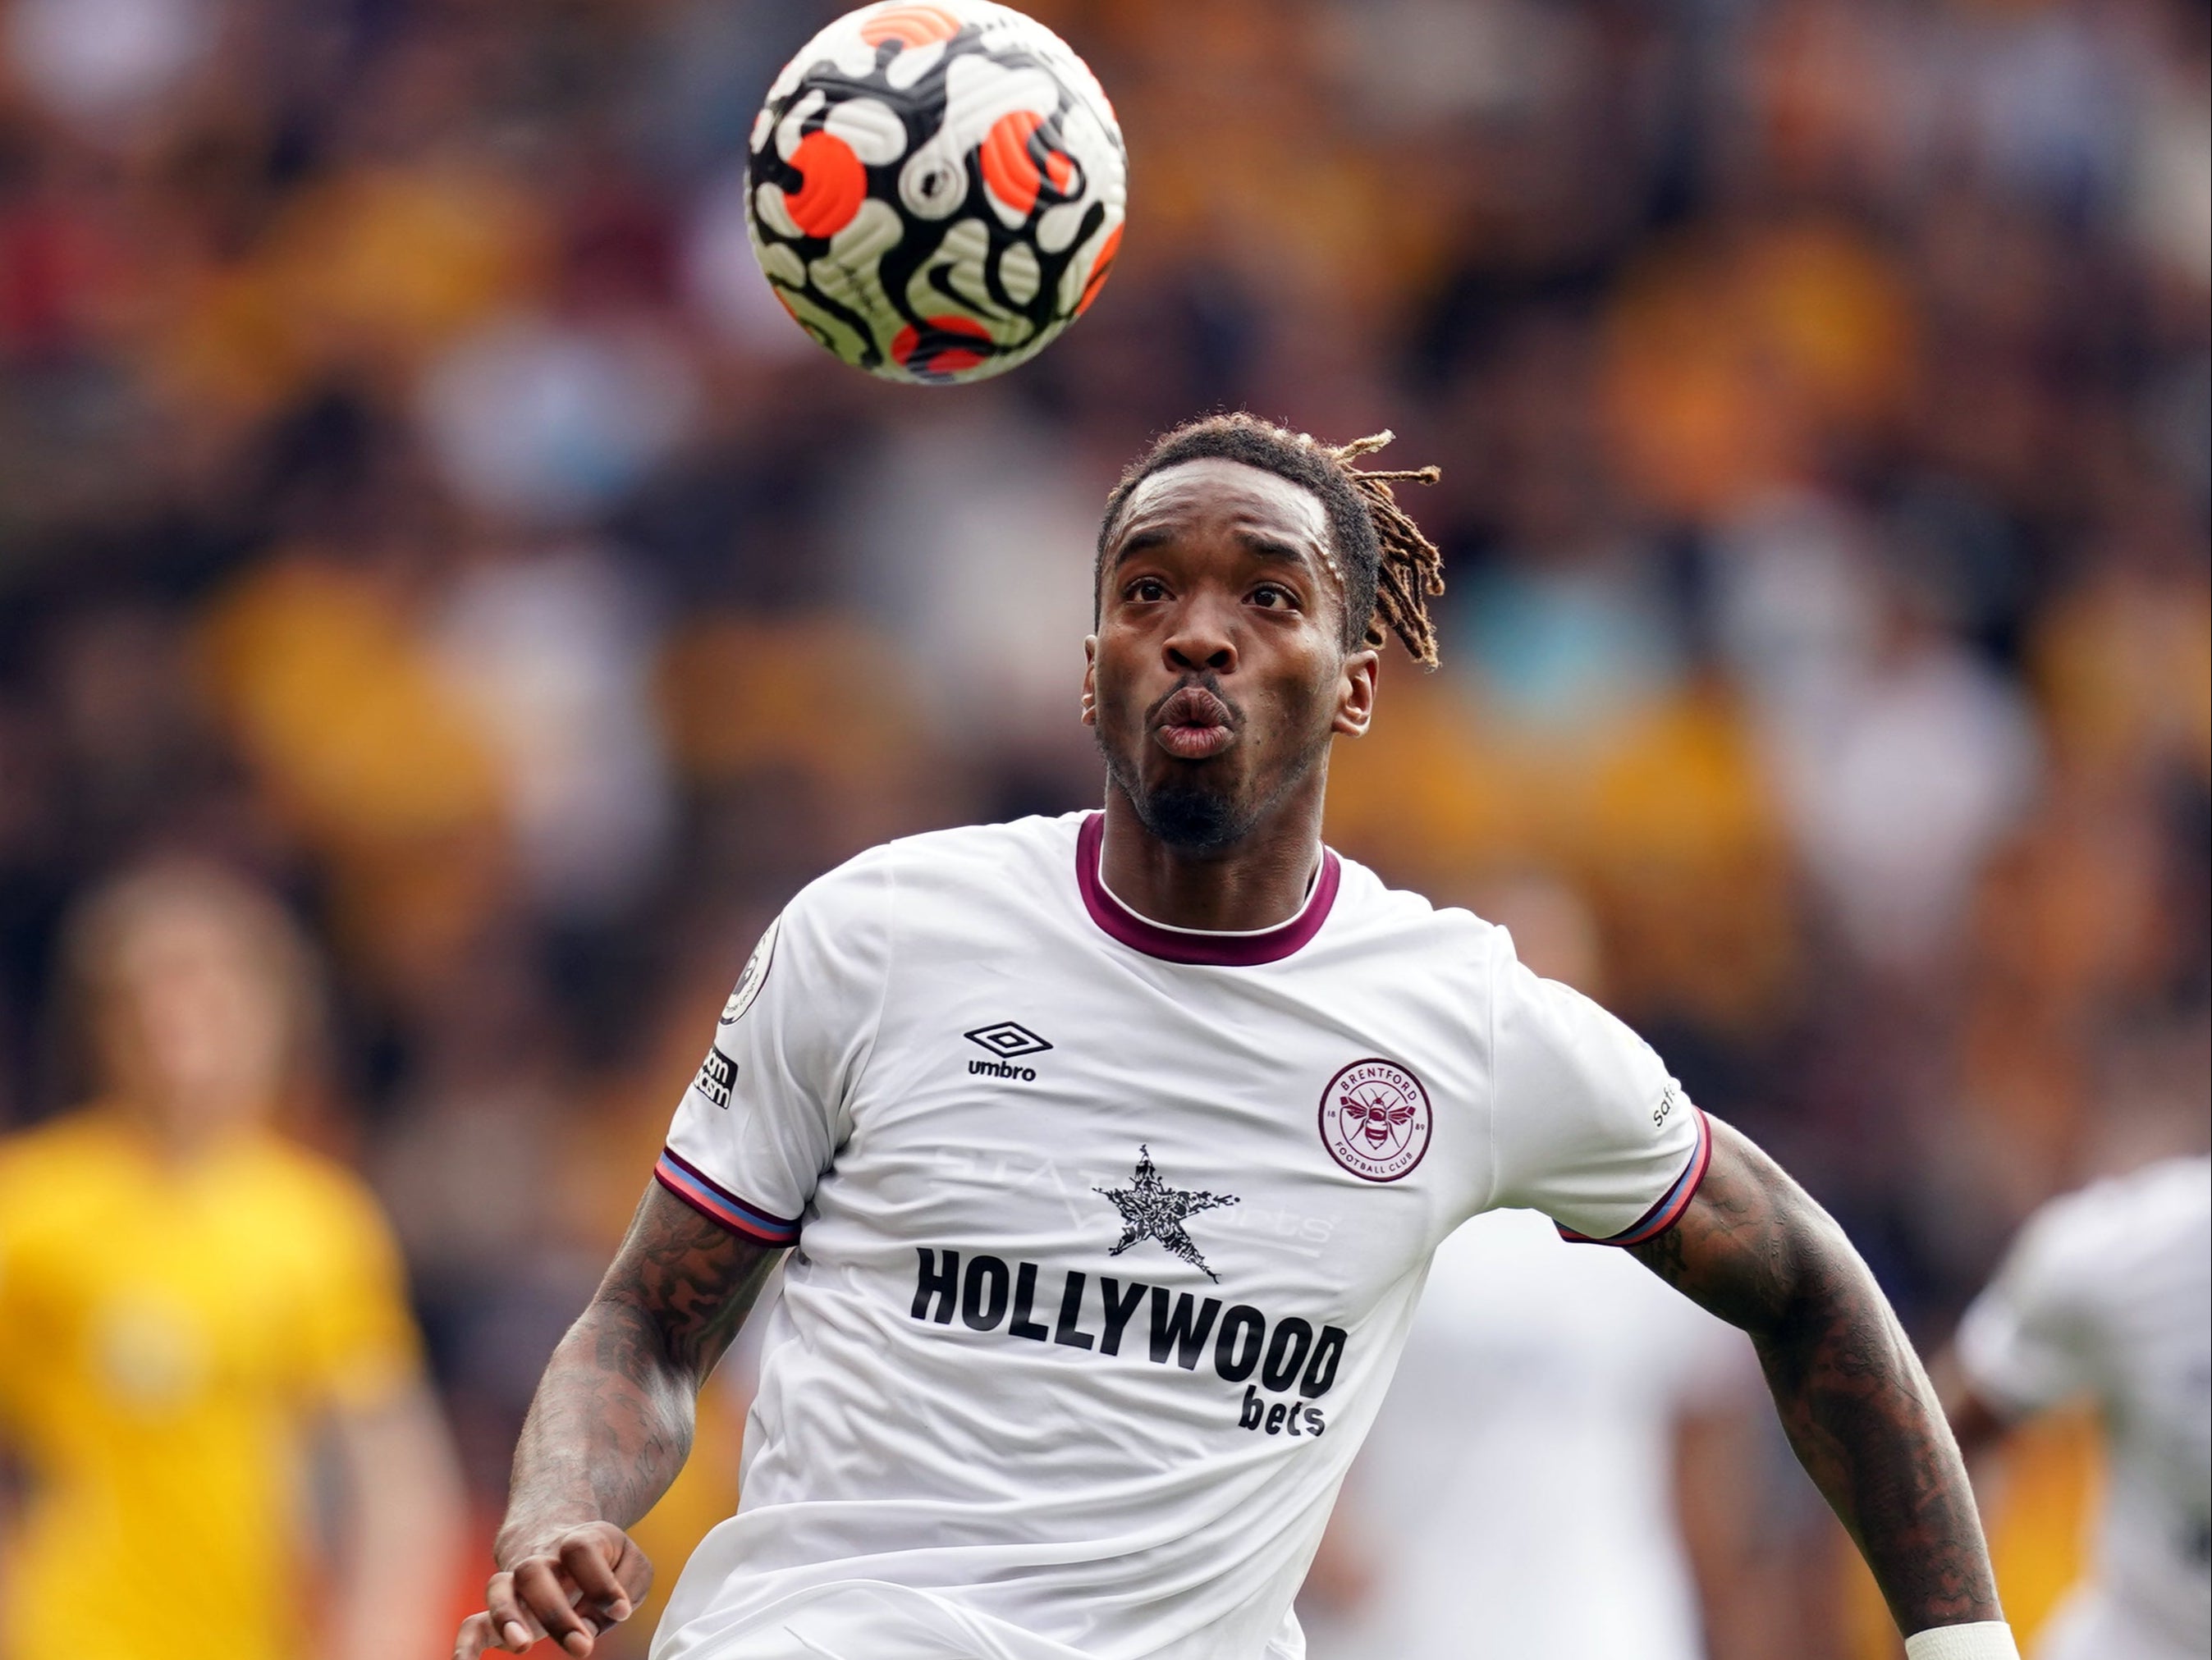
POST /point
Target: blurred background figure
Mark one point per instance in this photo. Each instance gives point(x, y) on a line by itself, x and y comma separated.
point(1570, 1464)
point(410, 493)
point(2105, 1301)
point(208, 1372)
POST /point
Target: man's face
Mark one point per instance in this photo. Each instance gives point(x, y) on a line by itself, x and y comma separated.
point(1218, 672)
point(195, 1029)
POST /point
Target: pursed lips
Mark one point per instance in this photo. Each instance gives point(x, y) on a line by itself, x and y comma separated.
point(1193, 724)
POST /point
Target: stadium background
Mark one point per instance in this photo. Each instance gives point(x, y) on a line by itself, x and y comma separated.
point(409, 495)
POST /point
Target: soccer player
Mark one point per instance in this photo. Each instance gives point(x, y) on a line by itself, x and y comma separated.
point(2107, 1299)
point(187, 1302)
point(1055, 1114)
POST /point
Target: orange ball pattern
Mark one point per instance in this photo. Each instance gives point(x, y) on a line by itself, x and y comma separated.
point(936, 188)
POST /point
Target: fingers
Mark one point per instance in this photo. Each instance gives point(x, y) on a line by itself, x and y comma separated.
point(585, 1560)
point(588, 1579)
point(547, 1593)
point(514, 1626)
point(476, 1637)
point(482, 1632)
point(635, 1569)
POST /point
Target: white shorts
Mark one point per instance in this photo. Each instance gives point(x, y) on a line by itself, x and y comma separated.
point(857, 1620)
point(875, 1619)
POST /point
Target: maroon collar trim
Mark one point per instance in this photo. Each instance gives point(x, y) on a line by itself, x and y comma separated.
point(1192, 945)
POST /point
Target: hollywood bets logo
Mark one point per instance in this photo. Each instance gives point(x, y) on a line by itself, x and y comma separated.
point(1375, 1120)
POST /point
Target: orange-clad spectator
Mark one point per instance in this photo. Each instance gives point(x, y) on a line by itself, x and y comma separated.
point(366, 748)
point(188, 1300)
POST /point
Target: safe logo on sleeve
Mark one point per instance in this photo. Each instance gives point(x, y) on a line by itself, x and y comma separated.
point(1375, 1120)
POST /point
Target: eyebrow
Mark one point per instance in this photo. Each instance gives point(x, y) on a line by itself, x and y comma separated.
point(1265, 545)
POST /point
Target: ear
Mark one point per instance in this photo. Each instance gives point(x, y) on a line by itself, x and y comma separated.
point(1091, 679)
point(1355, 692)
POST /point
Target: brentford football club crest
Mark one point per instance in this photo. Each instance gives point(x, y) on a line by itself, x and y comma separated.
point(1375, 1120)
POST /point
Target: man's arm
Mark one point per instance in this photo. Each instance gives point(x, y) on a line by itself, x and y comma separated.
point(1717, 1450)
point(610, 1426)
point(10, 1502)
point(1755, 1249)
point(403, 1495)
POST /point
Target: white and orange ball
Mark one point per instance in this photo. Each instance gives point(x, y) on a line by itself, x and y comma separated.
point(936, 188)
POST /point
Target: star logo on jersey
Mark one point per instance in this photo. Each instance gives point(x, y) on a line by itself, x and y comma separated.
point(1151, 1209)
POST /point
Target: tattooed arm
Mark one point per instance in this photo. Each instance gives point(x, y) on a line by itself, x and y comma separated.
point(611, 1427)
point(1756, 1250)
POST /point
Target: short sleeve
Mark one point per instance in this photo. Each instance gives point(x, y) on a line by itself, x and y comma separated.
point(2025, 1343)
point(768, 1108)
point(1586, 1126)
point(360, 1347)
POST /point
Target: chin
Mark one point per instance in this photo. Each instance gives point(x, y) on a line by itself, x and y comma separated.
point(1190, 816)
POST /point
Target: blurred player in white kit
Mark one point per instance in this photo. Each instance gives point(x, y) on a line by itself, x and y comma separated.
point(1543, 1478)
point(2106, 1298)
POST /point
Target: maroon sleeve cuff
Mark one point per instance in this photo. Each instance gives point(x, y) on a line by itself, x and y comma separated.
point(1672, 1203)
point(716, 1203)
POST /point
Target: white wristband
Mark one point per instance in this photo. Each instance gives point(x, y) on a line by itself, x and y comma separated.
point(1991, 1640)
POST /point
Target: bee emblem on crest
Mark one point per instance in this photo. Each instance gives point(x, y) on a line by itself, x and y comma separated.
point(1375, 1120)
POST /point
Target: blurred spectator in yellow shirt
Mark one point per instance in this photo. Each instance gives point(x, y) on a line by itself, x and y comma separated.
point(191, 1307)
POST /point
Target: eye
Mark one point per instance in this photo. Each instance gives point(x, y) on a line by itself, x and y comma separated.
point(1274, 596)
point(1146, 589)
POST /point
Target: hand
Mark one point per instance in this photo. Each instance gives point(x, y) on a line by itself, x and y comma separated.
point(570, 1587)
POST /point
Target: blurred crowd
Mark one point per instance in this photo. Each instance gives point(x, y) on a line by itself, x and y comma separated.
point(412, 499)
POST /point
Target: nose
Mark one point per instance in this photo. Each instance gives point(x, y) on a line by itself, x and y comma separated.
point(1201, 639)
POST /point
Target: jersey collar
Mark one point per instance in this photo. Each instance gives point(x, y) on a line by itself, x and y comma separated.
point(1193, 945)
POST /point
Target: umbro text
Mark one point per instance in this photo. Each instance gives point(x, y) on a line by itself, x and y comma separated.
point(1002, 1069)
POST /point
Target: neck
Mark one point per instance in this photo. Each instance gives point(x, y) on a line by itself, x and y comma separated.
point(179, 1132)
point(1260, 880)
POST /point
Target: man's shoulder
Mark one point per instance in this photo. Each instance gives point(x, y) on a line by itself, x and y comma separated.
point(1374, 912)
point(1035, 842)
point(2096, 1243)
point(300, 1185)
point(58, 1157)
point(2152, 1201)
point(997, 859)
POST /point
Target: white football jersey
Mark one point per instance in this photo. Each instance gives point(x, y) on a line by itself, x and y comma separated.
point(1107, 1236)
point(2106, 1297)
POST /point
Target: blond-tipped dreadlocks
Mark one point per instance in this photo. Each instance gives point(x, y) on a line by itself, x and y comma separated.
point(1410, 569)
point(1389, 570)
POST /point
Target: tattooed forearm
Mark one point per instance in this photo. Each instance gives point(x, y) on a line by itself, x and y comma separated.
point(611, 1423)
point(1755, 1249)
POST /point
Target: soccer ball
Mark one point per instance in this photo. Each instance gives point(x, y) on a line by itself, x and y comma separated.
point(936, 189)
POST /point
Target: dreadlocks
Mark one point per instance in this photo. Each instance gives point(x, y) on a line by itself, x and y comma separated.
point(1388, 569)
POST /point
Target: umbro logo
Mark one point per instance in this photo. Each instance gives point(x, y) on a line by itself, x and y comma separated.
point(1006, 1039)
point(1009, 1042)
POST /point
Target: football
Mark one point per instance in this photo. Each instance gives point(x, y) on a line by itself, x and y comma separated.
point(935, 190)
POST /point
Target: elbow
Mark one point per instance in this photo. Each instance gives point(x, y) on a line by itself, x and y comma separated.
point(1823, 1290)
point(629, 1337)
